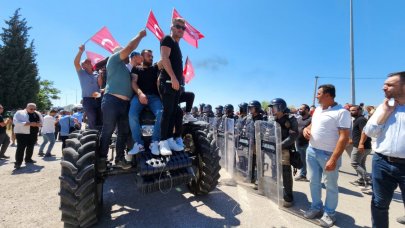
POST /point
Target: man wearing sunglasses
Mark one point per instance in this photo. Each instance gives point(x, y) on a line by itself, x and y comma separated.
point(27, 123)
point(170, 81)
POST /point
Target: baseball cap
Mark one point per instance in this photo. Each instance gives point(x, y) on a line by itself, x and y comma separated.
point(134, 53)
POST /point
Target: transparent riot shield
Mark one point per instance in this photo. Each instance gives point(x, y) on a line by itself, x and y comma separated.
point(229, 145)
point(244, 147)
point(220, 140)
point(268, 154)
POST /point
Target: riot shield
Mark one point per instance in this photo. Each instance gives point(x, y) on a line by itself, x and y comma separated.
point(220, 140)
point(229, 145)
point(268, 153)
point(244, 147)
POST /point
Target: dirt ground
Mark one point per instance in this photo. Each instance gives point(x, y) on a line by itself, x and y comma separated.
point(29, 198)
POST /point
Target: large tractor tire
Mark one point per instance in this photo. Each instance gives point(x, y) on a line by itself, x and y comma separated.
point(205, 165)
point(81, 190)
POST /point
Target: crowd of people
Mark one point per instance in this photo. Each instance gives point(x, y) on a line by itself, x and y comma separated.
point(115, 94)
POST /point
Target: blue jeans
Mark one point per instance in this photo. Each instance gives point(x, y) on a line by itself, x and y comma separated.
point(316, 161)
point(115, 113)
point(135, 109)
point(48, 137)
point(303, 152)
point(387, 176)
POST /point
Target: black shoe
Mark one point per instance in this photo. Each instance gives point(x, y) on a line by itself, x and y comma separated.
point(49, 155)
point(288, 204)
point(41, 154)
point(4, 157)
point(123, 164)
point(17, 166)
point(30, 161)
point(102, 165)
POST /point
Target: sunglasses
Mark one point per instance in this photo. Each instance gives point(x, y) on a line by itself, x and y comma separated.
point(180, 27)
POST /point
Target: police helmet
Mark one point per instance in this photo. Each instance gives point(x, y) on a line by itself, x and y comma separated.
point(208, 108)
point(219, 110)
point(279, 104)
point(243, 107)
point(255, 104)
point(228, 108)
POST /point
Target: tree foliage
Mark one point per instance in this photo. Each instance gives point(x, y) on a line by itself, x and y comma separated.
point(19, 71)
point(46, 93)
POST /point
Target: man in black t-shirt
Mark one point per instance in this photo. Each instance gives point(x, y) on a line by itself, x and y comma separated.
point(361, 146)
point(4, 139)
point(144, 84)
point(170, 81)
point(301, 143)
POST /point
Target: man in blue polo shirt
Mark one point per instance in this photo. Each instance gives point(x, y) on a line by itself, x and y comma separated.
point(115, 104)
point(90, 90)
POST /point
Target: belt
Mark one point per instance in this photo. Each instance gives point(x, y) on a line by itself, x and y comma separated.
point(392, 159)
point(170, 82)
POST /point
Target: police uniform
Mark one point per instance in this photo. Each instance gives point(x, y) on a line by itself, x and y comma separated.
point(289, 132)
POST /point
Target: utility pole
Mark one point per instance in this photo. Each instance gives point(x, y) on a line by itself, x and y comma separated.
point(315, 89)
point(352, 53)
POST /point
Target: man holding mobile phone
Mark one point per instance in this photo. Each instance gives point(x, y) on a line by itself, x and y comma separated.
point(388, 166)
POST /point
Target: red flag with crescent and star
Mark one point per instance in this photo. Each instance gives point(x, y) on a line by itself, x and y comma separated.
point(154, 27)
point(94, 57)
point(105, 39)
point(188, 71)
point(191, 35)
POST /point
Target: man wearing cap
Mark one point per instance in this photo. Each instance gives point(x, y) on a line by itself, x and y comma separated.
point(144, 83)
point(135, 59)
point(90, 90)
point(115, 104)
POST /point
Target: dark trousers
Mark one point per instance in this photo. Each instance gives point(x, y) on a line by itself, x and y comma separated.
point(25, 143)
point(187, 97)
point(4, 141)
point(170, 102)
point(387, 176)
point(63, 138)
point(92, 107)
point(287, 183)
point(115, 113)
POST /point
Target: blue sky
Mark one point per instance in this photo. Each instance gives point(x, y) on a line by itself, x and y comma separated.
point(251, 50)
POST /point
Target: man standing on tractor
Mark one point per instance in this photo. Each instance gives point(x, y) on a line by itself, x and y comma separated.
point(170, 81)
point(115, 104)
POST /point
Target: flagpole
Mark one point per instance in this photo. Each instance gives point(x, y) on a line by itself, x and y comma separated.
point(92, 36)
point(147, 19)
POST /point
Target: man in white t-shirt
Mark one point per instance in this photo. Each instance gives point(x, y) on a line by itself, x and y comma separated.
point(48, 133)
point(328, 136)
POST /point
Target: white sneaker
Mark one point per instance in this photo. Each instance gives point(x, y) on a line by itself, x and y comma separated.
point(174, 146)
point(179, 141)
point(188, 118)
point(165, 148)
point(128, 157)
point(154, 148)
point(136, 149)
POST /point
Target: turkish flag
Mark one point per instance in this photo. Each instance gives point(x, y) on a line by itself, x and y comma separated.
point(188, 71)
point(105, 40)
point(154, 27)
point(191, 35)
point(94, 57)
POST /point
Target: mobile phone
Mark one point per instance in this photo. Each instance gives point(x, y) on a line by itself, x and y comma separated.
point(391, 102)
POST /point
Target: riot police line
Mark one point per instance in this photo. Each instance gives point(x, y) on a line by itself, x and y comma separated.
point(252, 150)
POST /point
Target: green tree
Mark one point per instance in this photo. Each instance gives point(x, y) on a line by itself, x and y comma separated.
point(265, 104)
point(19, 71)
point(45, 94)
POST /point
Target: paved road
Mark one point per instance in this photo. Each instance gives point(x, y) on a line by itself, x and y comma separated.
point(29, 199)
